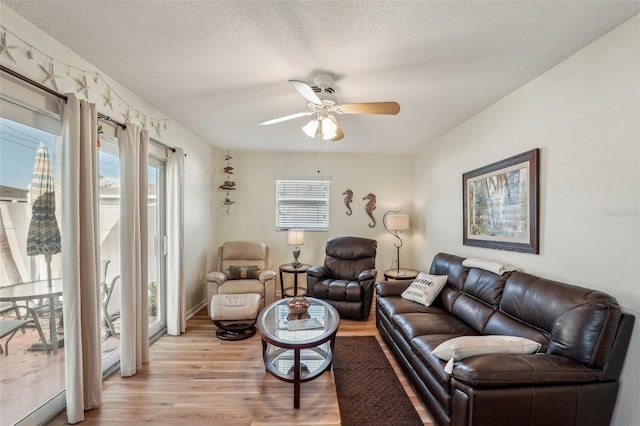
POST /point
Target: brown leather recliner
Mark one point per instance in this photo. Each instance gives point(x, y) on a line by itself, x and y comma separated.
point(347, 278)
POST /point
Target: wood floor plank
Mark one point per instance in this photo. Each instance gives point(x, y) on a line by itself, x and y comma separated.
point(197, 379)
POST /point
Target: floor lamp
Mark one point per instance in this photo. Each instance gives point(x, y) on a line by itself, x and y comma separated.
point(393, 222)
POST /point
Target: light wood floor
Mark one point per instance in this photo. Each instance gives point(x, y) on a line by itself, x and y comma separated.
point(197, 379)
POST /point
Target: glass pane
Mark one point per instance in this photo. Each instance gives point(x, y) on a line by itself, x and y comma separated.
point(154, 244)
point(157, 248)
point(30, 273)
point(109, 190)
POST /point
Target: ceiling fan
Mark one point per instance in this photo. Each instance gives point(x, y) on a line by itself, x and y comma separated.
point(322, 103)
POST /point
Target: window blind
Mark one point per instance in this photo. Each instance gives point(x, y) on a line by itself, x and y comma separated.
point(302, 203)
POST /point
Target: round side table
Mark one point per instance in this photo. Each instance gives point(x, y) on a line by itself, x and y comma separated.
point(401, 274)
point(295, 270)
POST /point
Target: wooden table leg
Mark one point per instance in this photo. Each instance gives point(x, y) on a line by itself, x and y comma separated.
point(296, 378)
point(281, 286)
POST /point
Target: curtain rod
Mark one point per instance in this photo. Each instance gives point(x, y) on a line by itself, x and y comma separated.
point(32, 82)
point(63, 97)
point(103, 117)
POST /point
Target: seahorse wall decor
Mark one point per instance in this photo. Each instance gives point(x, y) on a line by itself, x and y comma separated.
point(370, 207)
point(348, 199)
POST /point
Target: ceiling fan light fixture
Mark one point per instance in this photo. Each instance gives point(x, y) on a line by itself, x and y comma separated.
point(322, 102)
point(312, 128)
point(329, 129)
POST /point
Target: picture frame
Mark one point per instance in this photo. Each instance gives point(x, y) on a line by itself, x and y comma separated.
point(500, 204)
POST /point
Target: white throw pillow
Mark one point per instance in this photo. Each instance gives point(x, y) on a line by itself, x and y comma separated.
point(466, 346)
point(425, 288)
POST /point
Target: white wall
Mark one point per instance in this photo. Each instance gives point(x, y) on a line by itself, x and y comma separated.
point(584, 115)
point(200, 155)
point(253, 215)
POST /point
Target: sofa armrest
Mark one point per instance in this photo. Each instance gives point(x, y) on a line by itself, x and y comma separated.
point(391, 288)
point(500, 370)
point(319, 272)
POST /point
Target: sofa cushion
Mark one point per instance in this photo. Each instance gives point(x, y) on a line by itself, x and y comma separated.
point(581, 322)
point(485, 286)
point(242, 286)
point(450, 265)
point(425, 288)
point(499, 323)
point(433, 322)
point(465, 346)
point(423, 347)
point(398, 305)
point(496, 370)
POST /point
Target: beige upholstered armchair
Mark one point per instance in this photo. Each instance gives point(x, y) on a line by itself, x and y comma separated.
point(242, 267)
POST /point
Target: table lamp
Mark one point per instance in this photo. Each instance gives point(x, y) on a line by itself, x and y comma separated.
point(393, 222)
point(295, 238)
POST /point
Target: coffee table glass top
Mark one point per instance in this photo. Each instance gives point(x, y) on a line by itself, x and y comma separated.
point(272, 324)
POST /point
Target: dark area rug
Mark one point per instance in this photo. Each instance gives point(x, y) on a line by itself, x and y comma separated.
point(369, 392)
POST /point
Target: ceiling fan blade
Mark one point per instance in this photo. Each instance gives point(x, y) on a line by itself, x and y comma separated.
point(305, 90)
point(285, 118)
point(339, 134)
point(389, 108)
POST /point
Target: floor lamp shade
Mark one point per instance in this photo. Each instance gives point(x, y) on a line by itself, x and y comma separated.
point(397, 221)
point(295, 237)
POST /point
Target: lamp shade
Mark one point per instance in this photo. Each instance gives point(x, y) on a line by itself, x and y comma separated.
point(295, 237)
point(329, 129)
point(397, 222)
point(312, 128)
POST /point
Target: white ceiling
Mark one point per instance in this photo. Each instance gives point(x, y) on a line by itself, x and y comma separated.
point(220, 67)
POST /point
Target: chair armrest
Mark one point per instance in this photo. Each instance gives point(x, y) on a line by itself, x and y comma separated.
point(217, 277)
point(266, 275)
point(318, 271)
point(21, 311)
point(367, 274)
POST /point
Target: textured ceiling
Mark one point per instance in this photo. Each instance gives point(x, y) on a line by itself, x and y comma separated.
point(220, 67)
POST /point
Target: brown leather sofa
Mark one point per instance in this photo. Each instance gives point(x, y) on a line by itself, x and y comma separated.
point(348, 276)
point(572, 380)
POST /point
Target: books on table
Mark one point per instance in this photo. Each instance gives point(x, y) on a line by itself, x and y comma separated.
point(303, 324)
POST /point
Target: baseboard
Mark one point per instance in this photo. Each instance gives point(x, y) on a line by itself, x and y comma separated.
point(191, 312)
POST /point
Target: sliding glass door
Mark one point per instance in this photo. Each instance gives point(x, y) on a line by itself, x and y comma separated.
point(30, 266)
point(110, 247)
point(157, 247)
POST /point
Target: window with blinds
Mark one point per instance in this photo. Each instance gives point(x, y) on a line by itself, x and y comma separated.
point(302, 203)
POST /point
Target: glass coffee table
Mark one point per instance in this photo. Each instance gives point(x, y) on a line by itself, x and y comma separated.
point(301, 355)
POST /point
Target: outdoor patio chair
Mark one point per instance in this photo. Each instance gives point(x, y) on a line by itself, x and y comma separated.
point(106, 289)
point(18, 317)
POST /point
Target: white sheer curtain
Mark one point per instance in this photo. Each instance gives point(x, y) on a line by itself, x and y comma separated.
point(176, 304)
point(134, 319)
point(80, 257)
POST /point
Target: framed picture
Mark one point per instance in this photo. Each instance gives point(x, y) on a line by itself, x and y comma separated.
point(500, 203)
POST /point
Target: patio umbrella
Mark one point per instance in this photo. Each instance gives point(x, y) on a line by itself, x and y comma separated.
point(44, 234)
